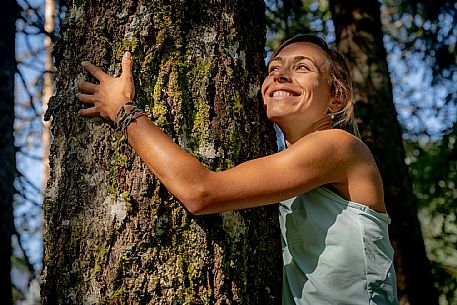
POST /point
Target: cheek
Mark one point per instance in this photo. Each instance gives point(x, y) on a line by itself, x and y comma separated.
point(262, 100)
point(262, 95)
point(264, 87)
point(268, 80)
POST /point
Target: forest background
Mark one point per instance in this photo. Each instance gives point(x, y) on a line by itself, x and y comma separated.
point(420, 38)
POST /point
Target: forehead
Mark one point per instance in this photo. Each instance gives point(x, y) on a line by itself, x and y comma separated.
point(303, 49)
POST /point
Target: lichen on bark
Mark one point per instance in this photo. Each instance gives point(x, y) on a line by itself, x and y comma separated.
point(113, 233)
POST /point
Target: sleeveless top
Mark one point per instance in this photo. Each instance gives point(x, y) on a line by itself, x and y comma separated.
point(335, 251)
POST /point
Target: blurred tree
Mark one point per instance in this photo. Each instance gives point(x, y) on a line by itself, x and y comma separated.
point(422, 39)
point(8, 14)
point(27, 242)
point(433, 167)
point(113, 234)
point(359, 37)
point(48, 83)
point(286, 18)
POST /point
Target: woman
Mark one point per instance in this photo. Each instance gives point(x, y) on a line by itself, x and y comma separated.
point(332, 213)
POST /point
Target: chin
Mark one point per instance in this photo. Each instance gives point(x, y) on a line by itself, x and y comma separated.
point(275, 118)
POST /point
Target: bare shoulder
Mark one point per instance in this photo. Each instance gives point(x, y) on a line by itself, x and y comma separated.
point(339, 143)
point(346, 148)
point(350, 144)
point(331, 154)
point(359, 177)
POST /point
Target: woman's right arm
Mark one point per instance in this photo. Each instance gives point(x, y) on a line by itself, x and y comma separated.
point(316, 159)
point(313, 161)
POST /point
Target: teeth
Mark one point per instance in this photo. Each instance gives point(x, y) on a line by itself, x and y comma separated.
point(281, 93)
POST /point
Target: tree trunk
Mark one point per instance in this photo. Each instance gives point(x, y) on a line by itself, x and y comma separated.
point(113, 233)
point(359, 37)
point(8, 11)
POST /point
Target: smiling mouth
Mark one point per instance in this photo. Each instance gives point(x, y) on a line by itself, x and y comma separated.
point(281, 93)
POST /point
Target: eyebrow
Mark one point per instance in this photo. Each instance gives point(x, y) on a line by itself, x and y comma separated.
point(296, 59)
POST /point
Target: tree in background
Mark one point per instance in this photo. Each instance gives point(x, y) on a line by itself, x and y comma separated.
point(48, 83)
point(359, 36)
point(8, 13)
point(424, 32)
point(30, 32)
point(433, 166)
point(113, 233)
point(286, 18)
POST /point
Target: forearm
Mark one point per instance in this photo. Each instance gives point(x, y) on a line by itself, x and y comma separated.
point(180, 172)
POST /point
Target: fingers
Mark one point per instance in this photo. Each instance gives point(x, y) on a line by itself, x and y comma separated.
point(96, 72)
point(87, 87)
point(127, 63)
point(88, 112)
point(86, 98)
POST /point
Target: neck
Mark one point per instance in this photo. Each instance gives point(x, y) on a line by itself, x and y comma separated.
point(292, 134)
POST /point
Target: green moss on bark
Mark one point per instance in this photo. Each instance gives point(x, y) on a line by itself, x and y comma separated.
point(191, 78)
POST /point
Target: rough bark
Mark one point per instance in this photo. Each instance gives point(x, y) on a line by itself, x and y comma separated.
point(113, 233)
point(359, 36)
point(7, 149)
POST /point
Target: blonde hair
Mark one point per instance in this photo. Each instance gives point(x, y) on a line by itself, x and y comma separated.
point(339, 79)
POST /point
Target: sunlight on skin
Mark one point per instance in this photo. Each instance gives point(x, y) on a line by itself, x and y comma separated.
point(296, 96)
point(296, 92)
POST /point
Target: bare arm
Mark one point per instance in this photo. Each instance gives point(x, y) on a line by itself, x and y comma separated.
point(316, 159)
point(254, 183)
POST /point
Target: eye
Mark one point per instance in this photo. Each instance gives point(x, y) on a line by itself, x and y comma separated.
point(302, 67)
point(272, 69)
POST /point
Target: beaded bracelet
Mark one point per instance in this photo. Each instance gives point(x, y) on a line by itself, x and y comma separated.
point(123, 118)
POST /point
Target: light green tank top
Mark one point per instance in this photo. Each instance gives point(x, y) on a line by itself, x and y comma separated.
point(335, 252)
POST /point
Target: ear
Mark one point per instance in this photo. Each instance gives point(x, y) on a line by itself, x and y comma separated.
point(335, 105)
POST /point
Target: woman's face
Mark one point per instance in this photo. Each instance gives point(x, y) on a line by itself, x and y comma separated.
point(297, 86)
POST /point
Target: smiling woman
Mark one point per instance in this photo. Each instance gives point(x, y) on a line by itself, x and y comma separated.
point(297, 92)
point(338, 76)
point(332, 214)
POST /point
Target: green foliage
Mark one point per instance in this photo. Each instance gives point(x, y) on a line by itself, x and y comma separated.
point(433, 167)
point(426, 27)
point(291, 17)
point(421, 42)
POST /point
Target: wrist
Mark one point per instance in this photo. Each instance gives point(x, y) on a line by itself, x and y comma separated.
point(122, 111)
point(127, 114)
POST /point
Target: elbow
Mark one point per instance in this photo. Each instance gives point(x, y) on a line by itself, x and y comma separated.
point(196, 201)
point(194, 208)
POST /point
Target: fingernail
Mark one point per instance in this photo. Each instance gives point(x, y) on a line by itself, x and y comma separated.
point(83, 63)
point(127, 55)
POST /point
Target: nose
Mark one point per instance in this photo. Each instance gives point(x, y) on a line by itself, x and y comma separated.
point(281, 75)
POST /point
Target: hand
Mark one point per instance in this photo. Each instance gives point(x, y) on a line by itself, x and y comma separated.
point(111, 93)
